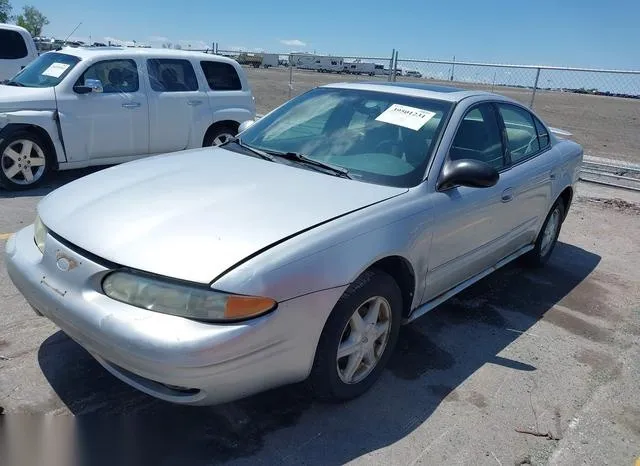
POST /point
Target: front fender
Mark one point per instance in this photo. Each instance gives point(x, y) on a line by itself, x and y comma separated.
point(43, 119)
point(336, 253)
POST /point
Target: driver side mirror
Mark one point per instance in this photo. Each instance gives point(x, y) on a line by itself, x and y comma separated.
point(90, 85)
point(245, 125)
point(467, 172)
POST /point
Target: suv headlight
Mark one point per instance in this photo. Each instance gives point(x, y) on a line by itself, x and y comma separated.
point(183, 300)
point(39, 233)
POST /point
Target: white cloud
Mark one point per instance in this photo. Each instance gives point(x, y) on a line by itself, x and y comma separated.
point(159, 39)
point(193, 44)
point(293, 42)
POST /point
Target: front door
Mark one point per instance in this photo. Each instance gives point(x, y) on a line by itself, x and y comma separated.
point(107, 124)
point(470, 228)
point(175, 103)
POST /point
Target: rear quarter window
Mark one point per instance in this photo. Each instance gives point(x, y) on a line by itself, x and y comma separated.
point(221, 76)
point(12, 45)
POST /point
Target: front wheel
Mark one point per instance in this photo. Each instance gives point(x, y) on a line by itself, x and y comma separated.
point(24, 161)
point(219, 135)
point(548, 236)
point(358, 338)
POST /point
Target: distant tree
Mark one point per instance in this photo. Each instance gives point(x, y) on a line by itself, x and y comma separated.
point(32, 20)
point(5, 11)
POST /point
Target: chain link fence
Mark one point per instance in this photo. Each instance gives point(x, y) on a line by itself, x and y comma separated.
point(601, 108)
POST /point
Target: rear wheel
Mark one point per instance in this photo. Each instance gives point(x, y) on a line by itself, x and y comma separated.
point(358, 338)
point(548, 236)
point(219, 135)
point(25, 160)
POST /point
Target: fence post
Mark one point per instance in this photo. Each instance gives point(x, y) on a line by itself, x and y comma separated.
point(290, 79)
point(395, 67)
point(535, 86)
point(393, 54)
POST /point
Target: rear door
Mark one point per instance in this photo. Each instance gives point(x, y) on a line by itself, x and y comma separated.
point(532, 163)
point(177, 106)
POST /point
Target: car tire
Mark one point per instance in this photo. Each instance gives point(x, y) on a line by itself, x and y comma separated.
point(548, 236)
point(335, 379)
point(218, 135)
point(14, 152)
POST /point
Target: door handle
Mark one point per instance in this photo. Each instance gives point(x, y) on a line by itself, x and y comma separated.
point(507, 195)
point(194, 103)
point(131, 104)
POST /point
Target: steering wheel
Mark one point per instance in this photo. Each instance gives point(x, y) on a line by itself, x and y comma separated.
point(390, 143)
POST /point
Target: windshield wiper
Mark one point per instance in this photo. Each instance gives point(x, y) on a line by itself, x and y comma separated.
point(299, 157)
point(257, 152)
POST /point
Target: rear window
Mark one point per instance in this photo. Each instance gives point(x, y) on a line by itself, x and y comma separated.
point(221, 76)
point(171, 75)
point(12, 45)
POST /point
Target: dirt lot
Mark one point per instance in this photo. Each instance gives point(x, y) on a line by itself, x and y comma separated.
point(605, 126)
point(552, 351)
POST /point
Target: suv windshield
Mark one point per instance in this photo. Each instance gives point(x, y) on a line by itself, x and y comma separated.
point(45, 71)
point(377, 137)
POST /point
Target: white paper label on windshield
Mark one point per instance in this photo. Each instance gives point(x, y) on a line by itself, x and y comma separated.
point(55, 70)
point(409, 117)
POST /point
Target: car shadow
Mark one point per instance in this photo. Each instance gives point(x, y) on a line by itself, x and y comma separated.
point(54, 181)
point(434, 356)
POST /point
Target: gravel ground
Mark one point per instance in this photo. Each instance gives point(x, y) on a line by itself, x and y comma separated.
point(605, 126)
point(551, 351)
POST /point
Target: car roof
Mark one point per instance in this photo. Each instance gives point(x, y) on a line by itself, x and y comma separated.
point(431, 91)
point(117, 52)
point(12, 27)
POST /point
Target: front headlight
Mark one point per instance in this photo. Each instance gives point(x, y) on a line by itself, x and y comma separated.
point(183, 300)
point(39, 233)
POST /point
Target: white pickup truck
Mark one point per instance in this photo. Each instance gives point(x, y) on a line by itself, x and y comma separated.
point(78, 107)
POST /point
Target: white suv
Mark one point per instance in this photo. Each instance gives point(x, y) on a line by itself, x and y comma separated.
point(17, 50)
point(78, 107)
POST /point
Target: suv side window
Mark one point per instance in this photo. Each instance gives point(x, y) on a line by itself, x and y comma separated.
point(221, 76)
point(12, 45)
point(171, 75)
point(521, 132)
point(116, 76)
point(479, 137)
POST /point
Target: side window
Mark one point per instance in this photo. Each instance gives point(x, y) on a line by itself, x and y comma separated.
point(171, 75)
point(221, 76)
point(116, 76)
point(521, 132)
point(543, 136)
point(12, 46)
point(479, 138)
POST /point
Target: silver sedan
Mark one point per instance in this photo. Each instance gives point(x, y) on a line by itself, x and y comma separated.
point(296, 250)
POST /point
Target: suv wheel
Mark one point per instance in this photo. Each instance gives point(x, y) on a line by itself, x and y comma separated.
point(219, 135)
point(24, 161)
point(358, 338)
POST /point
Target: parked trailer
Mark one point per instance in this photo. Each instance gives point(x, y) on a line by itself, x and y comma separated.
point(358, 67)
point(270, 59)
point(323, 64)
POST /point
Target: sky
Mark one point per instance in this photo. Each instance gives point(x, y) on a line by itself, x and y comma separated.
point(587, 33)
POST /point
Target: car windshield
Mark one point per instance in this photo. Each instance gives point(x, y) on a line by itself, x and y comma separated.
point(48, 70)
point(377, 137)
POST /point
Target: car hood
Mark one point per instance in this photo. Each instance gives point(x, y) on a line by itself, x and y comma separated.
point(14, 98)
point(193, 215)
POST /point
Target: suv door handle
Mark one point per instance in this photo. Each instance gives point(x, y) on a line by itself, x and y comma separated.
point(194, 103)
point(131, 104)
point(507, 195)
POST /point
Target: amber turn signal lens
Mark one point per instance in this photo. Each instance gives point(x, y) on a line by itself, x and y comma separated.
point(243, 307)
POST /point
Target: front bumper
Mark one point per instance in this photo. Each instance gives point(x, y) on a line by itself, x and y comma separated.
point(169, 357)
